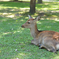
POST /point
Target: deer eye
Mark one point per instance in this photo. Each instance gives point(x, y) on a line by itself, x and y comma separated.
point(28, 22)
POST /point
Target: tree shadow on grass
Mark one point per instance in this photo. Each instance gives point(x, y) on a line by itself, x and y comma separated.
point(22, 9)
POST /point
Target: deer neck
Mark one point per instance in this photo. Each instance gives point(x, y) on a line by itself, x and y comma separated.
point(34, 31)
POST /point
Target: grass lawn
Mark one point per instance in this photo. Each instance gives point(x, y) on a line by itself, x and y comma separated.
point(14, 40)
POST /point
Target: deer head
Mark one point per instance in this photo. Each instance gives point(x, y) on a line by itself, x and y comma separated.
point(30, 22)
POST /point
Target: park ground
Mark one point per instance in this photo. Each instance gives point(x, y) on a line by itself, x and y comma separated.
point(14, 40)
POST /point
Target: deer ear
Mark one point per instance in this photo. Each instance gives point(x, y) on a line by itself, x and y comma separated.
point(29, 16)
point(37, 18)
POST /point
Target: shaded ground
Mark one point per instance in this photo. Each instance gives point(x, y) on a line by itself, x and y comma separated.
point(46, 10)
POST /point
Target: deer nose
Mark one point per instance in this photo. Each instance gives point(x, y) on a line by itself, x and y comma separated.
point(22, 26)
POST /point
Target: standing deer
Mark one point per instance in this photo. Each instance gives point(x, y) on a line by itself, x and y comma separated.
point(46, 39)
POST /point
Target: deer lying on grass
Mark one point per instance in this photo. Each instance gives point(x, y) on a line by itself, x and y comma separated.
point(46, 39)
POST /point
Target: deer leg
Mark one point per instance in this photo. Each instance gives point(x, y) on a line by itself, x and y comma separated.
point(41, 46)
point(51, 49)
point(34, 42)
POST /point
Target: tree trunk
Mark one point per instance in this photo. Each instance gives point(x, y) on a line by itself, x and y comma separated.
point(32, 6)
point(39, 1)
point(15, 0)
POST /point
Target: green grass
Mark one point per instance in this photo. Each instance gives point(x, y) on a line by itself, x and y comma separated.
point(14, 40)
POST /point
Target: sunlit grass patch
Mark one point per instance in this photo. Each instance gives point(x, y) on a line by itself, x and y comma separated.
point(15, 41)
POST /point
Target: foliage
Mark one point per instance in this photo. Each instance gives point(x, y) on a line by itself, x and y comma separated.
point(14, 40)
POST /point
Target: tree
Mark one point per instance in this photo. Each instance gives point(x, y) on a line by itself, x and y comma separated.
point(39, 1)
point(15, 0)
point(32, 6)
